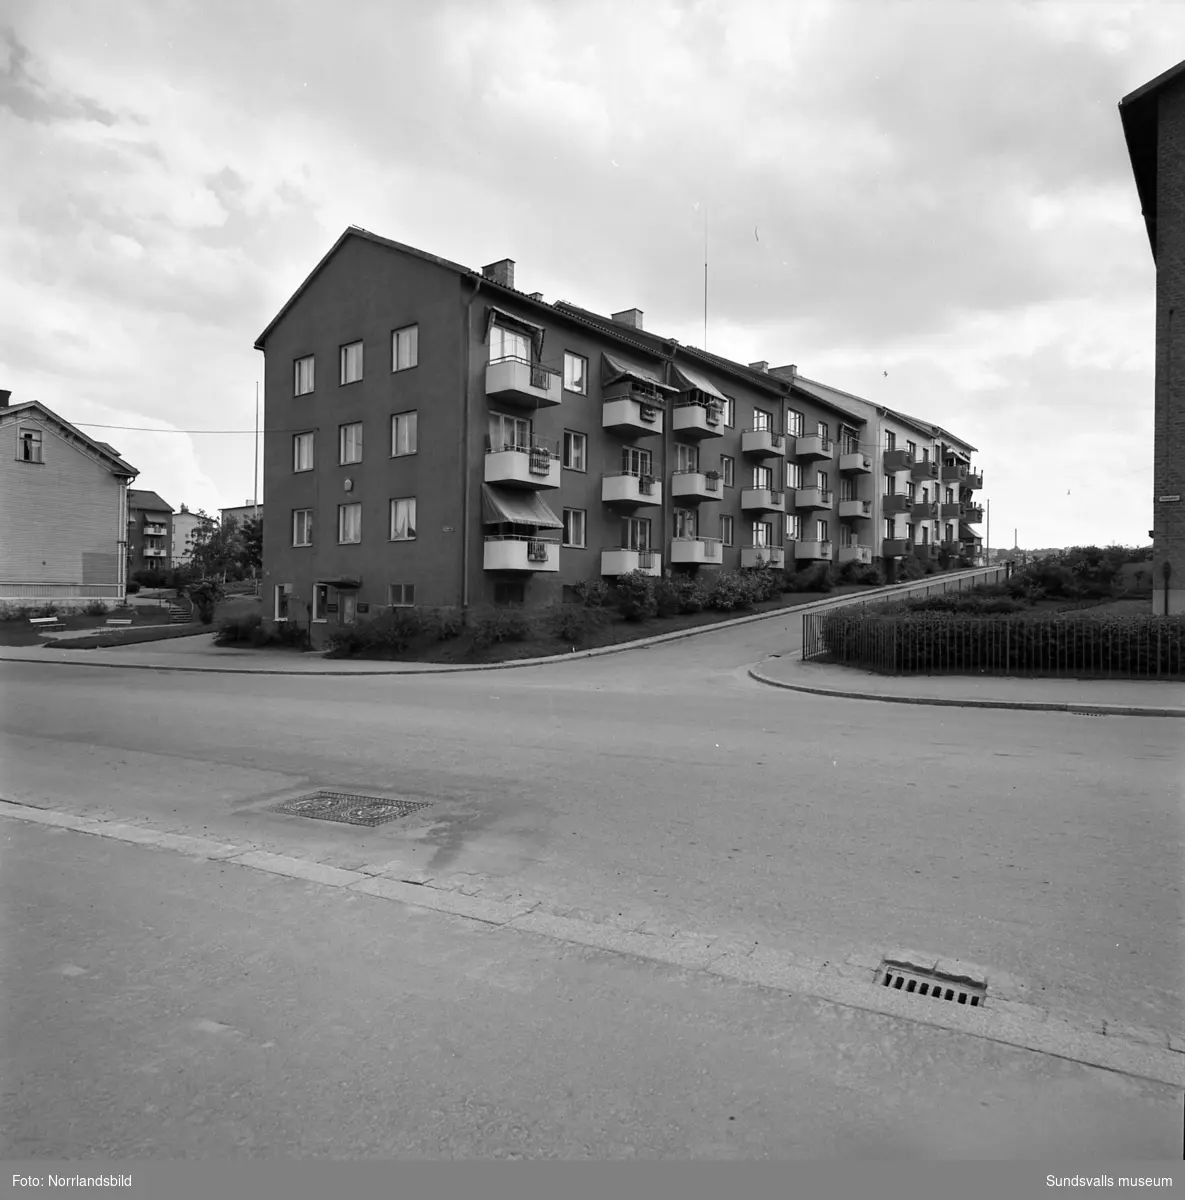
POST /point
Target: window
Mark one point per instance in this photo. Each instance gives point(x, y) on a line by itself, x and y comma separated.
point(302, 372)
point(821, 429)
point(635, 533)
point(850, 439)
point(762, 420)
point(576, 374)
point(950, 533)
point(509, 433)
point(727, 470)
point(350, 443)
point(925, 495)
point(302, 452)
point(283, 591)
point(404, 433)
point(405, 348)
point(351, 363)
point(889, 526)
point(793, 476)
point(820, 531)
point(730, 411)
point(726, 530)
point(401, 595)
point(349, 523)
point(508, 343)
point(793, 527)
point(403, 520)
point(636, 462)
point(794, 423)
point(912, 448)
point(763, 477)
point(950, 496)
point(574, 522)
point(821, 480)
point(509, 594)
point(925, 535)
point(686, 458)
point(909, 531)
point(847, 489)
point(685, 523)
point(890, 440)
point(320, 601)
point(762, 533)
point(926, 454)
point(575, 450)
point(302, 526)
point(29, 446)
point(890, 485)
point(911, 489)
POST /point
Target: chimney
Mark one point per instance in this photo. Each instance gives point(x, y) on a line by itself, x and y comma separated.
point(536, 295)
point(631, 317)
point(500, 272)
point(763, 365)
point(4, 399)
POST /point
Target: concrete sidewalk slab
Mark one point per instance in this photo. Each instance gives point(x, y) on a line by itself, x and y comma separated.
point(1104, 697)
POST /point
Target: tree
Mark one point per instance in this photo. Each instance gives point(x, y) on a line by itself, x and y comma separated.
point(214, 549)
point(205, 595)
point(251, 538)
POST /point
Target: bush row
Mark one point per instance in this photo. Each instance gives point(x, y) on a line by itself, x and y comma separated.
point(248, 630)
point(22, 612)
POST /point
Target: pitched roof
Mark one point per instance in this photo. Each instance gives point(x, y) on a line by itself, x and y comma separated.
point(108, 453)
point(147, 501)
point(1139, 114)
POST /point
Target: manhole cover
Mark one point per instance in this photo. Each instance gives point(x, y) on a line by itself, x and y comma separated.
point(933, 985)
point(348, 808)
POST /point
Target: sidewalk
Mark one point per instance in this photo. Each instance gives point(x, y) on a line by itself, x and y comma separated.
point(1112, 697)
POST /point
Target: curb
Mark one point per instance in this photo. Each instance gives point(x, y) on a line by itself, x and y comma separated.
point(1103, 710)
point(415, 669)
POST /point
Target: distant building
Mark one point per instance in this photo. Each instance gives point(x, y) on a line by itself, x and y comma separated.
point(1153, 119)
point(150, 532)
point(241, 513)
point(64, 502)
point(185, 524)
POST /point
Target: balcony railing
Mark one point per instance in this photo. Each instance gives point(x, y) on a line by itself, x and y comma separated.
point(762, 500)
point(896, 547)
point(635, 414)
point(924, 470)
point(695, 485)
point(813, 549)
point(812, 497)
point(762, 443)
point(622, 560)
point(523, 382)
point(692, 550)
point(950, 510)
point(852, 462)
point(514, 464)
point(854, 553)
point(154, 530)
point(518, 552)
point(925, 510)
point(896, 503)
point(898, 460)
point(630, 487)
point(974, 480)
point(814, 445)
point(954, 473)
point(972, 513)
point(697, 419)
point(850, 509)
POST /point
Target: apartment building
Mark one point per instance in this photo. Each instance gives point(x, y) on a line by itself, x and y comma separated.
point(64, 499)
point(1153, 120)
point(150, 532)
point(185, 526)
point(435, 436)
point(241, 513)
point(917, 492)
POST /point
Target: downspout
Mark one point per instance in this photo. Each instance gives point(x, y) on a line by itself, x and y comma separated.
point(668, 436)
point(466, 468)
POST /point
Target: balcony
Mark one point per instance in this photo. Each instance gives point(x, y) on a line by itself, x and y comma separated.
point(691, 419)
point(849, 509)
point(892, 505)
point(152, 529)
point(622, 562)
point(535, 468)
point(896, 547)
point(854, 554)
point(154, 552)
point(696, 550)
point(633, 415)
point(953, 547)
point(950, 511)
point(814, 551)
point(924, 470)
point(974, 480)
point(812, 497)
point(627, 488)
point(972, 514)
point(898, 460)
point(515, 552)
point(763, 443)
point(854, 463)
point(954, 473)
point(695, 485)
point(517, 381)
point(773, 557)
point(762, 500)
point(925, 510)
point(925, 551)
point(814, 445)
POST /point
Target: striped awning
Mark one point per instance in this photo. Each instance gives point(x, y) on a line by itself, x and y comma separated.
point(694, 381)
point(519, 324)
point(512, 508)
point(613, 370)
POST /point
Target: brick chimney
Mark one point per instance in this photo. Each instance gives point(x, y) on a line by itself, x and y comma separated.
point(763, 365)
point(631, 317)
point(536, 295)
point(4, 398)
point(500, 272)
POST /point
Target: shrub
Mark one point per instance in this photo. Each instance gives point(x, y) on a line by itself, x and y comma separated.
point(96, 608)
point(730, 590)
point(500, 625)
point(133, 588)
point(47, 610)
point(593, 593)
point(444, 624)
point(242, 629)
point(205, 595)
point(572, 623)
point(909, 568)
point(816, 578)
point(389, 633)
point(149, 578)
point(15, 612)
point(635, 596)
point(765, 584)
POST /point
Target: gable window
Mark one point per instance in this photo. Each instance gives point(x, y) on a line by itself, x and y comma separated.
point(726, 530)
point(349, 523)
point(509, 343)
point(351, 357)
point(404, 433)
point(575, 450)
point(302, 371)
point(403, 520)
point(29, 446)
point(762, 421)
point(574, 523)
point(350, 437)
point(576, 374)
point(727, 470)
point(405, 348)
point(302, 526)
point(794, 423)
point(302, 452)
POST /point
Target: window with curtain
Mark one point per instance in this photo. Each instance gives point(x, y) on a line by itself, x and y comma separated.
point(403, 519)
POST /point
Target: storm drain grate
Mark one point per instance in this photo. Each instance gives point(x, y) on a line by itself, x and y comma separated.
point(348, 808)
point(933, 985)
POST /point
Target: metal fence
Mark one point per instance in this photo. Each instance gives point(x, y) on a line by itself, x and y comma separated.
point(879, 636)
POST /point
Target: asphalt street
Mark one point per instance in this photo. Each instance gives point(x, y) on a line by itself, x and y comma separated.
point(158, 1006)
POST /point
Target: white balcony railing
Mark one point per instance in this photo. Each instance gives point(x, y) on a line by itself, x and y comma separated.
point(689, 550)
point(634, 415)
point(762, 442)
point(762, 500)
point(534, 467)
point(813, 549)
point(695, 485)
point(520, 381)
point(517, 552)
point(621, 561)
point(854, 553)
point(695, 419)
point(629, 487)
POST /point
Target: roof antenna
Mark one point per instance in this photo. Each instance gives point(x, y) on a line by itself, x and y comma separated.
point(705, 277)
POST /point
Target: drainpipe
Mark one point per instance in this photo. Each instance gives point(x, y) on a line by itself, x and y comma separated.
point(466, 469)
point(668, 437)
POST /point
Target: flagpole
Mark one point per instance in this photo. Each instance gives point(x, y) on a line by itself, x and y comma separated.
point(705, 276)
point(256, 448)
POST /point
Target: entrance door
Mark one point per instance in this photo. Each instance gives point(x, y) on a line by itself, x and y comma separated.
point(349, 608)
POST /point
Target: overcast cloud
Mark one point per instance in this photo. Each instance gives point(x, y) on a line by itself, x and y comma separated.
point(938, 191)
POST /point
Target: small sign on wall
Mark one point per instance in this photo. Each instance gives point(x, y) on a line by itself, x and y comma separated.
point(449, 529)
point(364, 608)
point(1170, 499)
point(331, 608)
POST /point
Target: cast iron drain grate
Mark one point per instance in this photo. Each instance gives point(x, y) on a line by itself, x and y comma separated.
point(933, 985)
point(348, 808)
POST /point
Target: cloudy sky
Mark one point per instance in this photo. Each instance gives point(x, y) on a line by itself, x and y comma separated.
point(939, 191)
